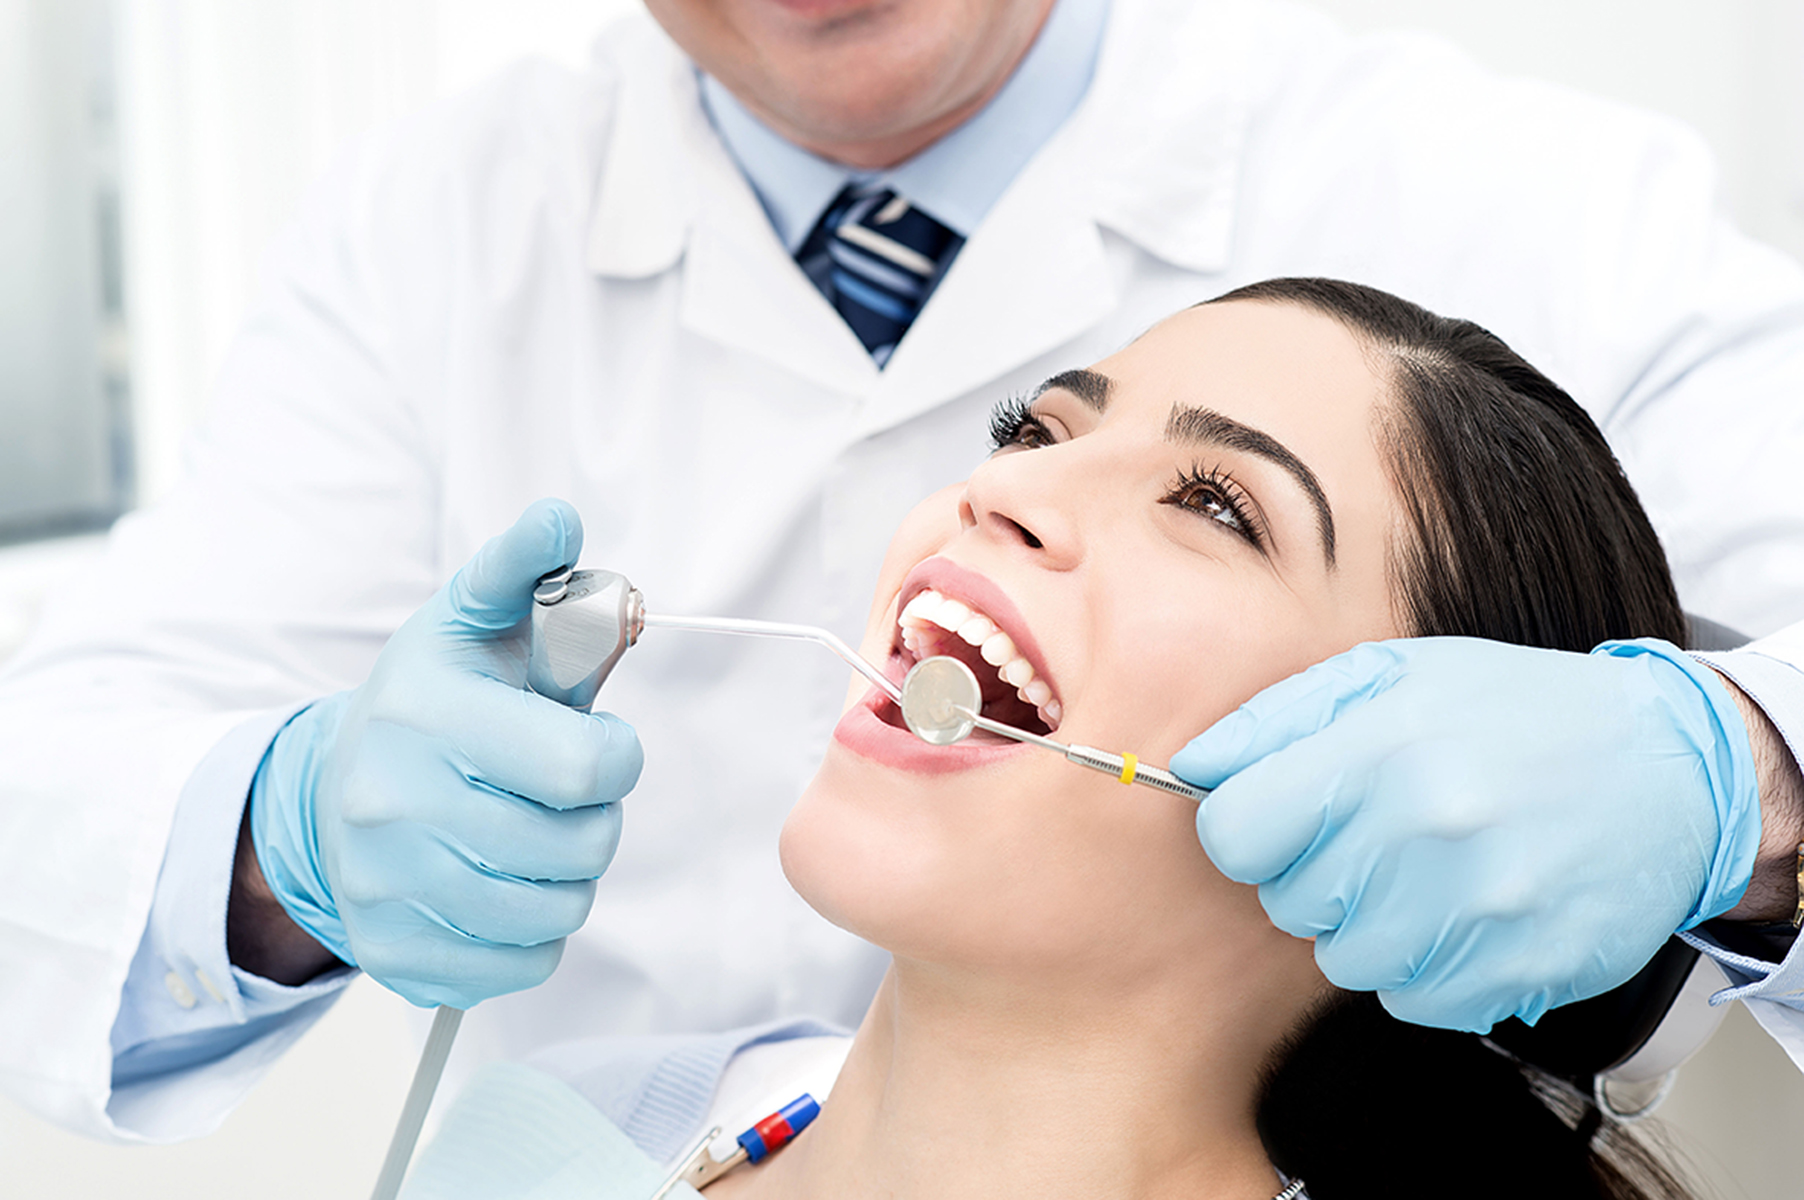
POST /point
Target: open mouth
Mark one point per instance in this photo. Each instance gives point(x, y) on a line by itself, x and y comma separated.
point(933, 623)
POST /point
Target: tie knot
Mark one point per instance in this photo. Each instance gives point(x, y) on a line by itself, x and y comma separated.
point(877, 258)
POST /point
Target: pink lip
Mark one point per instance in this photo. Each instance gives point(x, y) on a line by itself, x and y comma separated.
point(816, 10)
point(866, 734)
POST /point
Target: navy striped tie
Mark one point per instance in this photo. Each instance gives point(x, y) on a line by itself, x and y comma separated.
point(877, 258)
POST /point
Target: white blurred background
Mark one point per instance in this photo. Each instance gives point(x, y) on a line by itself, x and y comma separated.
point(149, 150)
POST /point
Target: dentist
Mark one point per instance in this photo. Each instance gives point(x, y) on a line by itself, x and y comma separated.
point(742, 292)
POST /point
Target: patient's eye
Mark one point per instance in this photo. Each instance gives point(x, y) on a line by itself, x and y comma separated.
point(1013, 423)
point(1215, 496)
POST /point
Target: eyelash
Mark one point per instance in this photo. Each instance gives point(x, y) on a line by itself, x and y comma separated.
point(1012, 420)
point(1220, 490)
point(1013, 423)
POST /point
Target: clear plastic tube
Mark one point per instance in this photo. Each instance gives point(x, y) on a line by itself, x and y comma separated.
point(419, 1099)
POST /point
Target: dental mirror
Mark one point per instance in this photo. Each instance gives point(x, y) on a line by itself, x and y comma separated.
point(942, 702)
point(938, 697)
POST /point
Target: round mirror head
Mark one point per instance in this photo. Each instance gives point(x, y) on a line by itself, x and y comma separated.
point(932, 696)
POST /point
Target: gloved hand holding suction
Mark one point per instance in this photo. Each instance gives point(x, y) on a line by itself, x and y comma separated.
point(440, 826)
point(1475, 830)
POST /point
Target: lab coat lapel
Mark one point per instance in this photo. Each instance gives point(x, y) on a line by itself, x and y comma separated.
point(742, 289)
point(646, 197)
point(671, 193)
point(1033, 277)
point(1160, 169)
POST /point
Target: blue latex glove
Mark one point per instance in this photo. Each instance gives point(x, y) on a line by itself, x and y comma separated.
point(1475, 830)
point(440, 826)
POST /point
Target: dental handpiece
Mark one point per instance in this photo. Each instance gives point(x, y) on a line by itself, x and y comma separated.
point(940, 702)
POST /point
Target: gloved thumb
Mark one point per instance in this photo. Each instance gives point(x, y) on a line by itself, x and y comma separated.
point(493, 591)
point(1288, 711)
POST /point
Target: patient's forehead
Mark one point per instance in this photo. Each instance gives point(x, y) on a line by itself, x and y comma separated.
point(1300, 372)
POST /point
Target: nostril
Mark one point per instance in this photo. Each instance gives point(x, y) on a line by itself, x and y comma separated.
point(1027, 536)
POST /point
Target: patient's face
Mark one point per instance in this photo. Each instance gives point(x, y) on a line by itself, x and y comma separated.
point(1152, 543)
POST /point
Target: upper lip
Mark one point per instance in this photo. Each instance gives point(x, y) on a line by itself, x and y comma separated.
point(961, 583)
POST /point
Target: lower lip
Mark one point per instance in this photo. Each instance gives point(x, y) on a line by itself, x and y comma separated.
point(817, 9)
point(868, 735)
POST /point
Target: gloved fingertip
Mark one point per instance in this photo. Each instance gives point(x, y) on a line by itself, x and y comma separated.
point(625, 756)
point(618, 729)
point(1209, 758)
point(1239, 854)
point(494, 589)
point(563, 526)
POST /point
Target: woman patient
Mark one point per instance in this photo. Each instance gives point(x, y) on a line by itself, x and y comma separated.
point(1079, 1004)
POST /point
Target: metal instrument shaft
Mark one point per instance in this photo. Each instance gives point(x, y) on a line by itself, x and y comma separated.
point(940, 702)
point(777, 629)
point(1126, 767)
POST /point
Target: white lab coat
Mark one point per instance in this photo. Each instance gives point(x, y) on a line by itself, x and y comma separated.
point(560, 285)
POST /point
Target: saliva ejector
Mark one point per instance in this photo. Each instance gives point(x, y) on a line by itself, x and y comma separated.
point(584, 621)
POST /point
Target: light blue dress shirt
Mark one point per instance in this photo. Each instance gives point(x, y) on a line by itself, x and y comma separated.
point(958, 178)
point(166, 1025)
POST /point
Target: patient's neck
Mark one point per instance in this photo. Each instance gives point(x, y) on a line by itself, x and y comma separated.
point(962, 1087)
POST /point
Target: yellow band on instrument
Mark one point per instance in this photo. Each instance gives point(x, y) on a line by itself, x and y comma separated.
point(1128, 763)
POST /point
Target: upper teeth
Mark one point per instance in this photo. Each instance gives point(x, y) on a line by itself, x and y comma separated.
point(929, 610)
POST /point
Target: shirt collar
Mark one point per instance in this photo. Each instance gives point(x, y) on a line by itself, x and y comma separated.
point(959, 177)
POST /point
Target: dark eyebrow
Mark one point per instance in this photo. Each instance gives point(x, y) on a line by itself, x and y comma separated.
point(1092, 387)
point(1206, 425)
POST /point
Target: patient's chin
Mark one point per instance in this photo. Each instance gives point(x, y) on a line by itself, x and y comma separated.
point(887, 868)
point(879, 866)
point(841, 860)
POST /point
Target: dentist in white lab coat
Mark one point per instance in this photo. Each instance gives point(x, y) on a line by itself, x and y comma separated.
point(585, 285)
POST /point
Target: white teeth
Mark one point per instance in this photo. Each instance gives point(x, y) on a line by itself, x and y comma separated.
point(929, 610)
point(951, 615)
point(919, 608)
point(977, 630)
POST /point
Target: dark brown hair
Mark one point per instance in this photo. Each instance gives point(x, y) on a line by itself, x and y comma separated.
point(1521, 527)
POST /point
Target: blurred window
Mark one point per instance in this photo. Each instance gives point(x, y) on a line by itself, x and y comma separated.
point(65, 437)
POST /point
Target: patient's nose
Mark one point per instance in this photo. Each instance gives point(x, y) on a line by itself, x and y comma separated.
point(1014, 500)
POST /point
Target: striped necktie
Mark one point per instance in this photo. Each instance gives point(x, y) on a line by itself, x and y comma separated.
point(877, 258)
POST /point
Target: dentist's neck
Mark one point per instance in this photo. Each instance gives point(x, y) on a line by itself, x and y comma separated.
point(960, 1087)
